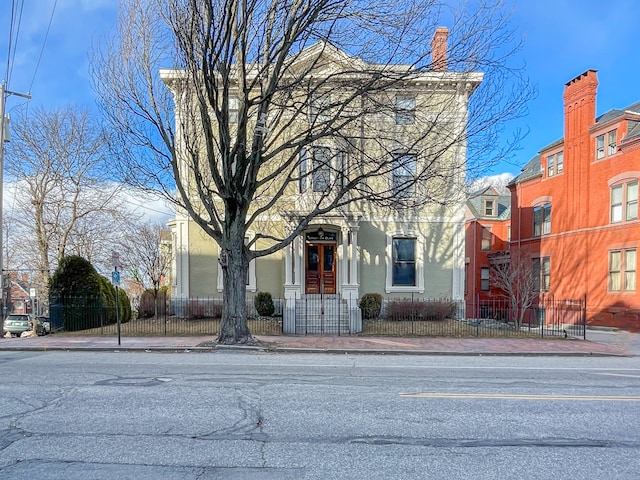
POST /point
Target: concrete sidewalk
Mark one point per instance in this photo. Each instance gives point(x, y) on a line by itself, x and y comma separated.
point(327, 344)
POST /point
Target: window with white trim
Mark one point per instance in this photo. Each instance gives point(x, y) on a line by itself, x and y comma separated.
point(622, 270)
point(486, 239)
point(606, 144)
point(612, 142)
point(234, 106)
point(320, 168)
point(404, 174)
point(624, 202)
point(404, 260)
point(542, 220)
point(560, 162)
point(555, 164)
point(489, 208)
point(541, 274)
point(405, 110)
point(485, 279)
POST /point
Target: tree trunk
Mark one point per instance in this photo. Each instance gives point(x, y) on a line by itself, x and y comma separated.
point(235, 264)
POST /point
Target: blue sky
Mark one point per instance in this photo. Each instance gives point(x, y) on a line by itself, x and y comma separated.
point(561, 39)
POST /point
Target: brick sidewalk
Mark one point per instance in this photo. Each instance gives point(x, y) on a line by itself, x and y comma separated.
point(333, 344)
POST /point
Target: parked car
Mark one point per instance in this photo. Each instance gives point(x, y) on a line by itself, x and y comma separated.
point(46, 324)
point(16, 323)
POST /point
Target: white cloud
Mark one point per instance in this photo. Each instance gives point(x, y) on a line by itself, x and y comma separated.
point(148, 207)
point(143, 206)
point(499, 181)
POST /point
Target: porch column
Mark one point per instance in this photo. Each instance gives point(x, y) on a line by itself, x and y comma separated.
point(288, 265)
point(298, 263)
point(350, 291)
point(292, 290)
point(344, 264)
point(353, 276)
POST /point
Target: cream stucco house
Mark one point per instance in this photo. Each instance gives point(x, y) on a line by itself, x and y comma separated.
point(360, 247)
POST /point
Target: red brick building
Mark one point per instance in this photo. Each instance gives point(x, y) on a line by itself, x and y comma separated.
point(574, 209)
point(487, 225)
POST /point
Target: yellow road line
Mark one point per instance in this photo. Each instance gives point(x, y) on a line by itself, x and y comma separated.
point(504, 396)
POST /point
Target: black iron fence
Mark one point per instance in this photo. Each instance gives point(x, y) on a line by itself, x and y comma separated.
point(336, 315)
point(546, 315)
point(492, 318)
point(168, 317)
point(324, 314)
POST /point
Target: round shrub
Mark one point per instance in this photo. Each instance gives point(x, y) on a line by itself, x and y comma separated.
point(370, 304)
point(264, 304)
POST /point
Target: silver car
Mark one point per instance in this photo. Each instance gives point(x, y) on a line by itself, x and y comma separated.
point(16, 323)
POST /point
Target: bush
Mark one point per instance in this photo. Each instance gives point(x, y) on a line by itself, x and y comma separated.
point(83, 298)
point(74, 277)
point(148, 303)
point(147, 307)
point(76, 288)
point(420, 310)
point(264, 304)
point(125, 306)
point(370, 304)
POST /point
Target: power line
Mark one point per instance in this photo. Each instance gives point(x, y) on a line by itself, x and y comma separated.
point(9, 44)
point(46, 36)
point(13, 46)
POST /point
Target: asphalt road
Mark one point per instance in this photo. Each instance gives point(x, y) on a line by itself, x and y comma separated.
point(627, 341)
point(205, 416)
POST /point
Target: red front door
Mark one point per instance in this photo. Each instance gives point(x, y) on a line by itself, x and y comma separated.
point(320, 268)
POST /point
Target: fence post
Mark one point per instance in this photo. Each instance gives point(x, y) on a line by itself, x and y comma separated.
point(584, 317)
point(164, 319)
point(413, 314)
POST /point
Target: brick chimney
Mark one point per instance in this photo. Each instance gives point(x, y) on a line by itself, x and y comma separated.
point(439, 49)
point(580, 105)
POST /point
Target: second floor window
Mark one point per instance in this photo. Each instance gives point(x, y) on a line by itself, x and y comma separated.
point(624, 202)
point(485, 243)
point(542, 220)
point(322, 168)
point(404, 173)
point(321, 173)
point(485, 276)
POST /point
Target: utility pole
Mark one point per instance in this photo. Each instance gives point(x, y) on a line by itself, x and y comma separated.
point(4, 93)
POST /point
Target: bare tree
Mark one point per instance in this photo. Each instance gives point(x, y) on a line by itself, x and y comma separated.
point(258, 86)
point(147, 253)
point(518, 282)
point(64, 195)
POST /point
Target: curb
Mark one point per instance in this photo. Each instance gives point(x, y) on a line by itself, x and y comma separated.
point(303, 350)
point(440, 353)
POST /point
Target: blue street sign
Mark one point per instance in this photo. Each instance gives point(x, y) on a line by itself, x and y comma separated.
point(115, 277)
